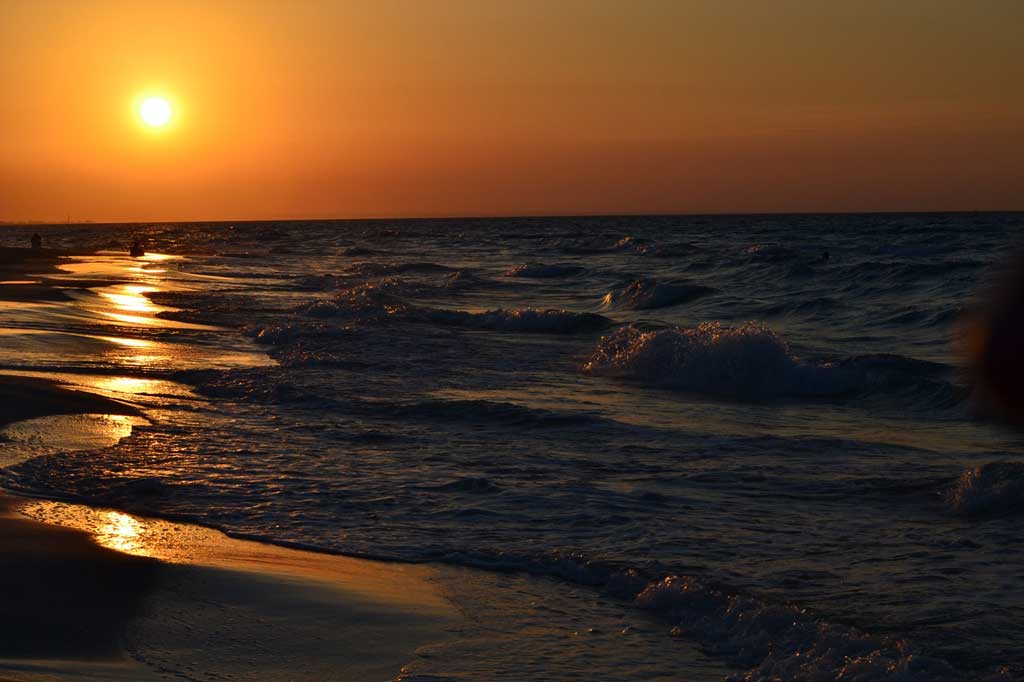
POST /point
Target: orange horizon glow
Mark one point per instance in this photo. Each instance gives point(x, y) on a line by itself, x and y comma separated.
point(400, 108)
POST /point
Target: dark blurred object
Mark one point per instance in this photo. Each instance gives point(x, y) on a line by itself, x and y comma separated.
point(993, 341)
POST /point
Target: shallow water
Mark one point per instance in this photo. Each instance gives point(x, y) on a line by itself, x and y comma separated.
point(602, 401)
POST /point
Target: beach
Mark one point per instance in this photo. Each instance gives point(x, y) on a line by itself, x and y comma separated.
point(96, 594)
point(102, 595)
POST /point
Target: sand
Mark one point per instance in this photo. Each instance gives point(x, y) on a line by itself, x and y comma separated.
point(177, 599)
point(58, 588)
point(16, 262)
point(27, 398)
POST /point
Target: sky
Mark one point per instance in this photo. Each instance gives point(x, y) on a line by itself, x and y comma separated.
point(386, 108)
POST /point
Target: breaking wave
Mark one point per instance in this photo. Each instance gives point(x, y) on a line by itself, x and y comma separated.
point(750, 361)
point(784, 642)
point(773, 642)
point(753, 362)
point(380, 301)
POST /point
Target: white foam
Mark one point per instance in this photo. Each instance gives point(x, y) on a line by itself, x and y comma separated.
point(784, 642)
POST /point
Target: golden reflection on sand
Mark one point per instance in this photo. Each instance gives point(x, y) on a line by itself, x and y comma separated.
point(105, 384)
point(122, 533)
point(182, 543)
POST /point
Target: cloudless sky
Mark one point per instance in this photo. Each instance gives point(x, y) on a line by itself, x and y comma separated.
point(315, 109)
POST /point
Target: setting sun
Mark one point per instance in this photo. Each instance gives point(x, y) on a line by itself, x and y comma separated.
point(155, 111)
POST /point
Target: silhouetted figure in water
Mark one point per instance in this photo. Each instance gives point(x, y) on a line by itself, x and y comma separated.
point(824, 257)
point(137, 249)
point(992, 338)
point(37, 242)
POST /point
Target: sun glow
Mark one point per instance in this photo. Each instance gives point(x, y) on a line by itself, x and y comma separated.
point(155, 112)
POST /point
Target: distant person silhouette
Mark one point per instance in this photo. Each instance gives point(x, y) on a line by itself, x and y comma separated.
point(37, 242)
point(992, 337)
point(137, 249)
point(824, 257)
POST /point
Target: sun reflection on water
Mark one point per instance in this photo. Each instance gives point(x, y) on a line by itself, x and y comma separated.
point(105, 317)
point(124, 341)
point(130, 385)
point(132, 301)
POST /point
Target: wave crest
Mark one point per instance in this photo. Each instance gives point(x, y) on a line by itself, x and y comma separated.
point(783, 642)
point(528, 320)
point(543, 271)
point(645, 294)
point(993, 489)
point(380, 301)
point(752, 362)
point(390, 269)
point(749, 361)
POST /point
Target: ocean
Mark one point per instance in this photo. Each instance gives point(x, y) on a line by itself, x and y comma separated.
point(667, 447)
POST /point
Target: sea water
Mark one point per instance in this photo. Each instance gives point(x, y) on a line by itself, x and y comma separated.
point(677, 447)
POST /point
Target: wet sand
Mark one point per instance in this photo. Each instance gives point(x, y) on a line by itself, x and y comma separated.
point(27, 398)
point(102, 595)
point(16, 262)
point(19, 274)
point(65, 598)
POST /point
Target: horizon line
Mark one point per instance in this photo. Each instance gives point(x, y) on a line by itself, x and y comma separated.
point(379, 218)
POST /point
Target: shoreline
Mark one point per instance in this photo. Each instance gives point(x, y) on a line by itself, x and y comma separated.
point(108, 595)
point(96, 594)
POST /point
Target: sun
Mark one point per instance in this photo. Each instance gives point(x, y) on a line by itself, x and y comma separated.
point(155, 112)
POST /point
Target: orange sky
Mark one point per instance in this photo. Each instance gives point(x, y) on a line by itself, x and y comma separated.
point(306, 109)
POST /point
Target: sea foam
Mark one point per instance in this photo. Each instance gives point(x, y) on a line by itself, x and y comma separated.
point(783, 642)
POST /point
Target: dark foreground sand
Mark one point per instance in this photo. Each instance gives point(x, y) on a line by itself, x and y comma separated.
point(27, 398)
point(64, 597)
point(94, 594)
point(179, 600)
